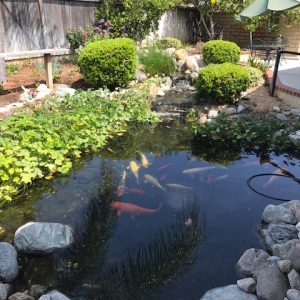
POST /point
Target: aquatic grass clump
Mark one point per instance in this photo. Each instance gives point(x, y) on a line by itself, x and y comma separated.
point(156, 62)
point(250, 133)
point(47, 140)
point(152, 264)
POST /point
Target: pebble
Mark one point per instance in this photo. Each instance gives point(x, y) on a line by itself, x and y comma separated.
point(276, 109)
point(281, 117)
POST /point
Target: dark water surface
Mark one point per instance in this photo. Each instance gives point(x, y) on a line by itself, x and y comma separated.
point(179, 251)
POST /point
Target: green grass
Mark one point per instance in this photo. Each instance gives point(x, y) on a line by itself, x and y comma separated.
point(156, 62)
point(12, 69)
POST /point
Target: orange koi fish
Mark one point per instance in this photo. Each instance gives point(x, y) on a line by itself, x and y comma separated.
point(137, 191)
point(128, 208)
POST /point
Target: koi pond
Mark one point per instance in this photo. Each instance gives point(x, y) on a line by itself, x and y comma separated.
point(156, 215)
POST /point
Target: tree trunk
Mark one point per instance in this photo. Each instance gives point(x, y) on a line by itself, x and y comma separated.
point(205, 26)
point(212, 26)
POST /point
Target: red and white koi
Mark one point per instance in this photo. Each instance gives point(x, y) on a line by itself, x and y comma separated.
point(121, 187)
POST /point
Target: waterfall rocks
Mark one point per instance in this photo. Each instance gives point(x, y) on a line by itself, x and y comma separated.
point(277, 214)
point(4, 290)
point(8, 262)
point(43, 238)
point(181, 54)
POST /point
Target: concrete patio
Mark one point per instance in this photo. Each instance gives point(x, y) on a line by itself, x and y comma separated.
point(288, 81)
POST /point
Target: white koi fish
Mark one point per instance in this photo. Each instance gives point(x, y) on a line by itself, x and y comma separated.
point(197, 170)
point(149, 178)
point(178, 186)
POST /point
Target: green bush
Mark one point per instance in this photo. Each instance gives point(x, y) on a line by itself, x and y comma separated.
point(156, 62)
point(169, 42)
point(255, 76)
point(222, 83)
point(258, 64)
point(108, 62)
point(218, 52)
point(12, 69)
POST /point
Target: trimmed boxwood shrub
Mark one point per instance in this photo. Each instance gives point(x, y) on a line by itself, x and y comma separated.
point(218, 52)
point(222, 83)
point(108, 62)
point(169, 42)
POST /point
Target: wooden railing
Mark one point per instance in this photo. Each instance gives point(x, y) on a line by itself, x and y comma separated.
point(275, 73)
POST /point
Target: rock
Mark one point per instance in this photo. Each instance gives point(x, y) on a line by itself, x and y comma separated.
point(41, 88)
point(293, 294)
point(290, 251)
point(194, 75)
point(202, 119)
point(140, 76)
point(26, 96)
point(285, 265)
point(62, 90)
point(229, 292)
point(212, 114)
point(37, 290)
point(246, 97)
point(153, 90)
point(4, 290)
point(160, 93)
point(295, 137)
point(248, 285)
point(277, 214)
point(295, 112)
point(287, 112)
point(281, 117)
point(181, 54)
point(188, 72)
point(43, 238)
point(294, 207)
point(191, 64)
point(42, 94)
point(167, 84)
point(230, 111)
point(278, 234)
point(8, 262)
point(180, 66)
point(276, 109)
point(54, 295)
point(294, 279)
point(240, 109)
point(170, 51)
point(20, 296)
point(271, 284)
point(195, 96)
point(298, 226)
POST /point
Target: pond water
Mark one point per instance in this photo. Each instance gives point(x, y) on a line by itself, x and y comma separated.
point(171, 239)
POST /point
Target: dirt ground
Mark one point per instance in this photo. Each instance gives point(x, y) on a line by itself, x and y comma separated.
point(31, 75)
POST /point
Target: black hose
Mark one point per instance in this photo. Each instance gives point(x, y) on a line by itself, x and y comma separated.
point(270, 174)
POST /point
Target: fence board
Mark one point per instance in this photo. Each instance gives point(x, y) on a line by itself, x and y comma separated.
point(40, 24)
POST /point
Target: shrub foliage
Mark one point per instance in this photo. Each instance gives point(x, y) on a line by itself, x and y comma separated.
point(108, 62)
point(218, 52)
point(222, 83)
point(169, 42)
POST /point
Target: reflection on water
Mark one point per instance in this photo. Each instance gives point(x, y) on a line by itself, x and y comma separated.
point(169, 230)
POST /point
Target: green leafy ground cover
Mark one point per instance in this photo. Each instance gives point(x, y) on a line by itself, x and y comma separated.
point(39, 143)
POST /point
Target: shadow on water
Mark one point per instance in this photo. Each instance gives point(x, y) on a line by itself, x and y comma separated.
point(195, 224)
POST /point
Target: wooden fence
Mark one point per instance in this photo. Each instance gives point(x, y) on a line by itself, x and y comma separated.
point(39, 24)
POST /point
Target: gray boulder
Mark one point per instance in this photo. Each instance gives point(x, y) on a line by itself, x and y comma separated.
point(281, 117)
point(54, 295)
point(271, 284)
point(230, 111)
point(4, 290)
point(247, 285)
point(37, 290)
point(180, 66)
point(278, 234)
point(295, 112)
point(294, 279)
point(43, 238)
point(63, 90)
point(293, 294)
point(191, 64)
point(229, 292)
point(20, 296)
point(278, 214)
point(290, 250)
point(294, 207)
point(8, 262)
point(140, 76)
point(285, 265)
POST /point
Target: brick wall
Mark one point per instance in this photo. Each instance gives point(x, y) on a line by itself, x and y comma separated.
point(236, 33)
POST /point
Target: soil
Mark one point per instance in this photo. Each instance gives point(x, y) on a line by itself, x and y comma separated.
point(31, 75)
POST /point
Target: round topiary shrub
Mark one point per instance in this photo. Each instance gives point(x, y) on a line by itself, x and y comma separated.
point(169, 42)
point(222, 83)
point(108, 62)
point(219, 52)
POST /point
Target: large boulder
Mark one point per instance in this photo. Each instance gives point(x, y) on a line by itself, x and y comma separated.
point(294, 207)
point(43, 238)
point(293, 294)
point(54, 295)
point(191, 64)
point(290, 250)
point(4, 291)
point(229, 292)
point(271, 283)
point(181, 54)
point(278, 214)
point(8, 262)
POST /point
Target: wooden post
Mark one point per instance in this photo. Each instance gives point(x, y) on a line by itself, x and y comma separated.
point(48, 69)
